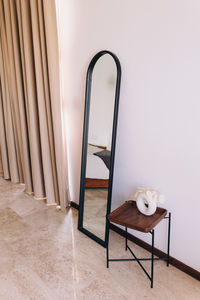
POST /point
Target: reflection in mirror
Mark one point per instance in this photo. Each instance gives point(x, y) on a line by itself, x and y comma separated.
point(100, 123)
point(99, 145)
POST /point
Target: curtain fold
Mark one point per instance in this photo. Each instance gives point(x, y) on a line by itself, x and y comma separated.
point(31, 138)
point(3, 142)
point(1, 168)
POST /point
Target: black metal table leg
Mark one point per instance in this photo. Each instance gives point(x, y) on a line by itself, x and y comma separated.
point(107, 246)
point(152, 258)
point(168, 246)
point(138, 260)
point(126, 239)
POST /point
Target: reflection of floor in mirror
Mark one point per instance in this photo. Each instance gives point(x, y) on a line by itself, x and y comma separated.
point(95, 206)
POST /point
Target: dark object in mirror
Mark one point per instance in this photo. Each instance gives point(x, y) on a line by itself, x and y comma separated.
point(105, 156)
point(99, 137)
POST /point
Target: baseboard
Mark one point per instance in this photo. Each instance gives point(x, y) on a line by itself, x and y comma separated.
point(74, 205)
point(173, 261)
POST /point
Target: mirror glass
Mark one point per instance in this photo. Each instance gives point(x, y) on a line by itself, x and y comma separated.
point(101, 113)
point(99, 135)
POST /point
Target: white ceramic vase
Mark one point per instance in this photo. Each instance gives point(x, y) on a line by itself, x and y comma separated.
point(147, 202)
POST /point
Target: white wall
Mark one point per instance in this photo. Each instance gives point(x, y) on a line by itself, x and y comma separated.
point(158, 140)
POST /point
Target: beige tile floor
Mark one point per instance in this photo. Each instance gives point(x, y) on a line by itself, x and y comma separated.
point(44, 256)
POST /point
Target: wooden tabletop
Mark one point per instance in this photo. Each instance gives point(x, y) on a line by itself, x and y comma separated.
point(129, 216)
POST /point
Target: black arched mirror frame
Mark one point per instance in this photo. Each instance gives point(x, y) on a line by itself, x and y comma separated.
point(85, 143)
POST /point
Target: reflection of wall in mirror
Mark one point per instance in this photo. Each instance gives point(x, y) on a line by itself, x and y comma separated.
point(102, 101)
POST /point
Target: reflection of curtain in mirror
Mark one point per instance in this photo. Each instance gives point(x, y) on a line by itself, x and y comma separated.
point(30, 111)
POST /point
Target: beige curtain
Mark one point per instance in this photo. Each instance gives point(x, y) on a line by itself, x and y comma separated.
point(1, 168)
point(31, 140)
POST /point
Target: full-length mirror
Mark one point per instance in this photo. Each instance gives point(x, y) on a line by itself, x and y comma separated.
point(100, 123)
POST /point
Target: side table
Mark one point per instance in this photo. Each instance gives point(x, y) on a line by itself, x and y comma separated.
point(129, 216)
